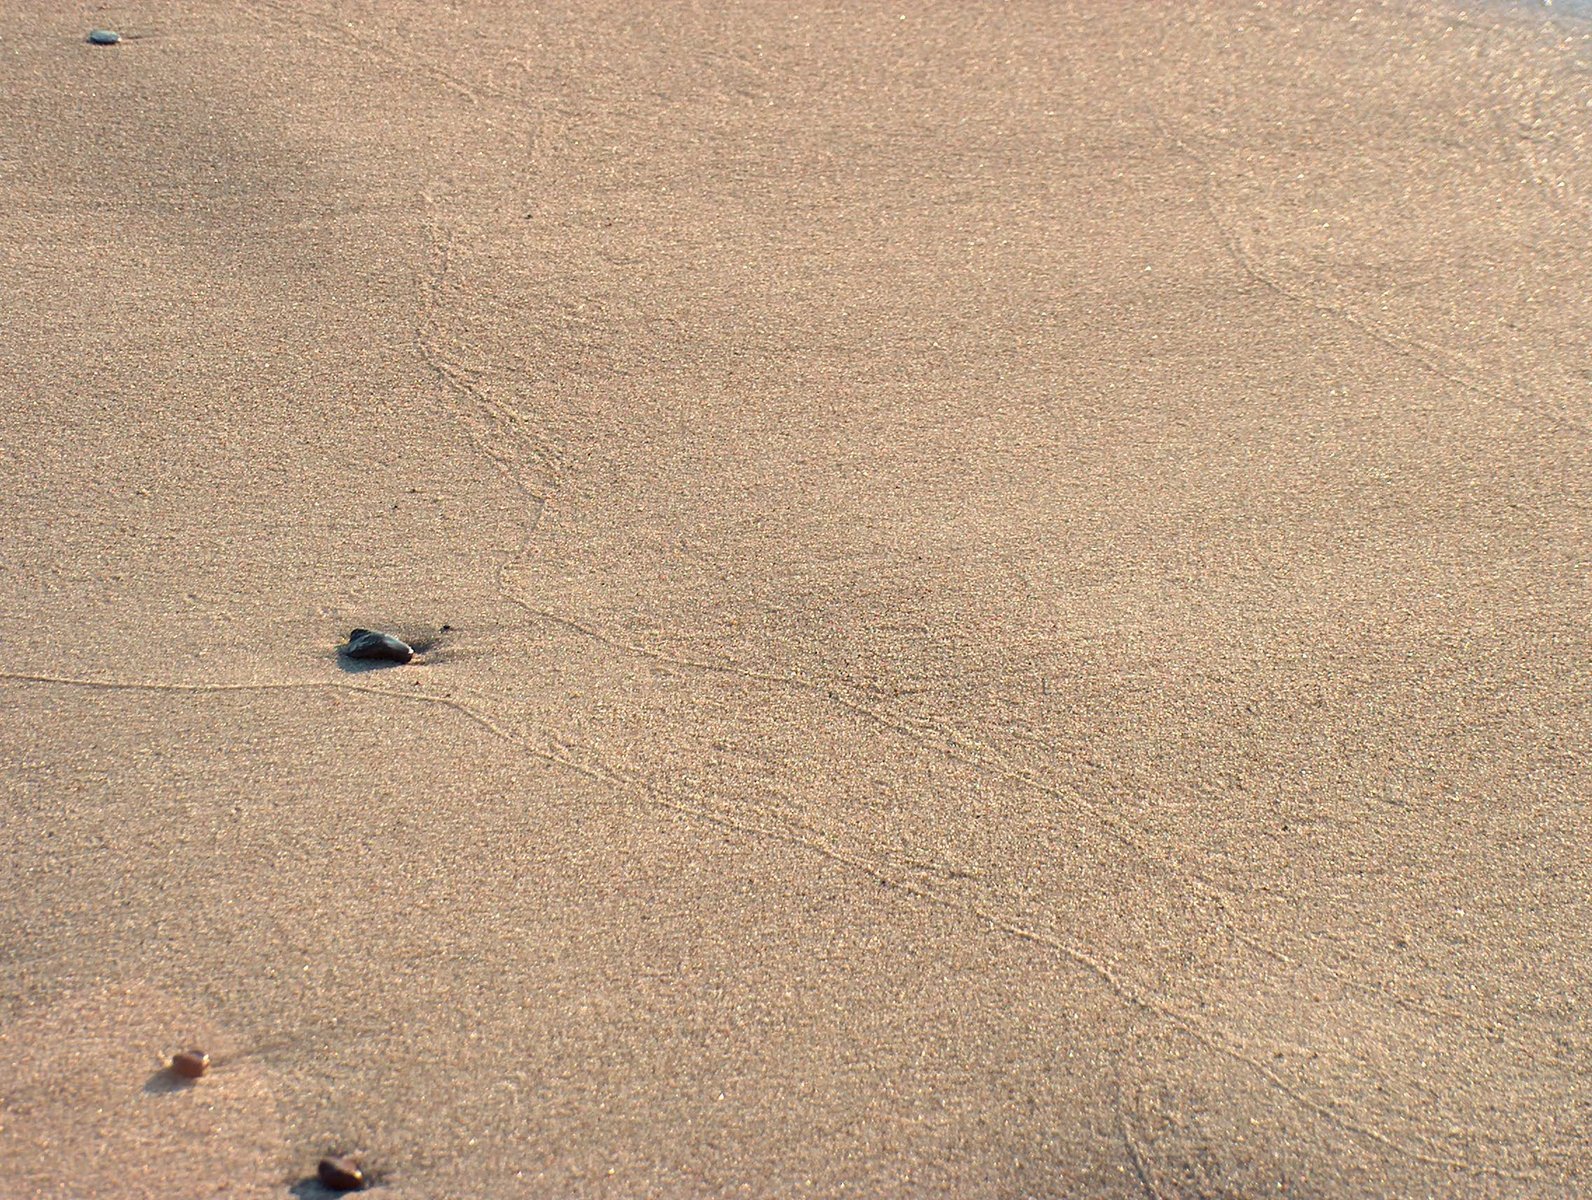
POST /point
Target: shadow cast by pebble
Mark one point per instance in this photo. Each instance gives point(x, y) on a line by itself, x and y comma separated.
point(165, 1081)
point(359, 666)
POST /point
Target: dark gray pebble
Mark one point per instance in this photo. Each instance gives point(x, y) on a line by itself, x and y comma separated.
point(340, 1174)
point(367, 643)
point(104, 37)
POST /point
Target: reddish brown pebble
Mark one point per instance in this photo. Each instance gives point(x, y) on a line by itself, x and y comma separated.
point(190, 1064)
point(340, 1174)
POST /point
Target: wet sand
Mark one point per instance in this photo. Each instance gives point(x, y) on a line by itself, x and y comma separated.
point(1016, 585)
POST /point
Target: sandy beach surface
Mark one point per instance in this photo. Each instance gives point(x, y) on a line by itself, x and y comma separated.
point(1004, 593)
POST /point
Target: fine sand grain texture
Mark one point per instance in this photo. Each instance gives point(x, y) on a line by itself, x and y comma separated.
point(1015, 581)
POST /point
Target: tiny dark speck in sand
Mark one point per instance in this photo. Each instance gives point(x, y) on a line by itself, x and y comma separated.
point(340, 1174)
point(382, 647)
point(104, 37)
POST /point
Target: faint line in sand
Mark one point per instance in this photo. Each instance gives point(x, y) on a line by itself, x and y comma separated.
point(1431, 358)
point(1195, 1028)
point(984, 760)
point(321, 28)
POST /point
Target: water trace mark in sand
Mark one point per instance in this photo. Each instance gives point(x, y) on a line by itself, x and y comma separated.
point(1197, 1028)
point(537, 469)
point(1435, 360)
point(497, 429)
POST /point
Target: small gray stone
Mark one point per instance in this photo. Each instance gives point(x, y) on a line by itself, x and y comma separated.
point(104, 37)
point(368, 643)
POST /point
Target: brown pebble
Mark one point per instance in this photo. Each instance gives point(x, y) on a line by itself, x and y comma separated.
point(340, 1174)
point(190, 1064)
